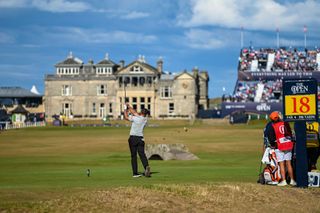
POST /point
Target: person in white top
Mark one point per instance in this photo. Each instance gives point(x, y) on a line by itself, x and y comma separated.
point(136, 139)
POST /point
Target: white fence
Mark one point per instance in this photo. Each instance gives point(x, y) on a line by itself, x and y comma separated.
point(7, 125)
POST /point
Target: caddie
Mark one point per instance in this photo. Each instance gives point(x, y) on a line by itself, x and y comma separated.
point(279, 136)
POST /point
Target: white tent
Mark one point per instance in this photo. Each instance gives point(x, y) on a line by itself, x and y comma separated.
point(34, 90)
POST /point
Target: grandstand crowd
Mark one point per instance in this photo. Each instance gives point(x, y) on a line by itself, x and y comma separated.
point(270, 60)
point(256, 91)
point(281, 59)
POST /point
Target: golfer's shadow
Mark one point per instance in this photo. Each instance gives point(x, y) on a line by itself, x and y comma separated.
point(151, 173)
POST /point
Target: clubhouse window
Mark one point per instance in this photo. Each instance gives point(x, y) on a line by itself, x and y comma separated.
point(171, 107)
point(66, 90)
point(102, 89)
point(94, 109)
point(110, 107)
point(149, 103)
point(142, 103)
point(134, 103)
point(166, 92)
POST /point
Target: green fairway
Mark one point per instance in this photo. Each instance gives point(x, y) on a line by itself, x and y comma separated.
point(60, 157)
point(39, 164)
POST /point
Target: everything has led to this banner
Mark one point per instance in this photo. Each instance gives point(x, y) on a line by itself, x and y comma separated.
point(300, 100)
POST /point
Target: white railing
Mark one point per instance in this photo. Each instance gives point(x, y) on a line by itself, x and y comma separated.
point(7, 125)
point(259, 92)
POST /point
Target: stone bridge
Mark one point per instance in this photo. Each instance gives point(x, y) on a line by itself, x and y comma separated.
point(168, 152)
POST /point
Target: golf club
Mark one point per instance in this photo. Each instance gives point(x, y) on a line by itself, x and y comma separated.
point(125, 91)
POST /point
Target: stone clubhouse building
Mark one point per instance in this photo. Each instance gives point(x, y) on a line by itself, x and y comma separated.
point(95, 91)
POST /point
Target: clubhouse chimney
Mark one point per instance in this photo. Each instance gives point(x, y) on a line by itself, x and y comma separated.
point(195, 72)
point(121, 63)
point(160, 65)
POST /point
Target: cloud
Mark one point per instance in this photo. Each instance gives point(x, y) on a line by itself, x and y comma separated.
point(56, 6)
point(210, 39)
point(5, 38)
point(30, 45)
point(14, 70)
point(252, 14)
point(122, 14)
point(203, 39)
point(61, 6)
point(135, 15)
point(13, 3)
point(259, 39)
point(75, 35)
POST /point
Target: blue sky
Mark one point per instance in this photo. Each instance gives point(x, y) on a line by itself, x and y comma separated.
point(36, 34)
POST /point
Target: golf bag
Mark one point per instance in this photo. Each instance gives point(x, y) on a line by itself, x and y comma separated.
point(271, 173)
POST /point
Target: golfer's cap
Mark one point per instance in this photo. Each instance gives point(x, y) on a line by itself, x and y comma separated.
point(145, 111)
point(274, 116)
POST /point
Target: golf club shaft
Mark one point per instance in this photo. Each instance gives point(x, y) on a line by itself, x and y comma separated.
point(261, 157)
point(125, 94)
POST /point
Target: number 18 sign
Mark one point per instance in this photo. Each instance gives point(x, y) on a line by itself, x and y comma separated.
point(300, 100)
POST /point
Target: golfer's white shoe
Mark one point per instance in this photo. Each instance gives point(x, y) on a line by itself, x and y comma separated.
point(282, 183)
point(293, 183)
point(137, 175)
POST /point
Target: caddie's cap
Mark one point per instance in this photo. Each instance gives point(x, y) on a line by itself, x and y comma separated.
point(274, 116)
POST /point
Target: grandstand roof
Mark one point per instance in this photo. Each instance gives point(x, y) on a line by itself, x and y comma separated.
point(20, 109)
point(16, 92)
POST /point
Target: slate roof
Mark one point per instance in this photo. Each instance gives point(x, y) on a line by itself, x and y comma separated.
point(148, 66)
point(16, 92)
point(106, 62)
point(70, 61)
point(184, 72)
point(167, 77)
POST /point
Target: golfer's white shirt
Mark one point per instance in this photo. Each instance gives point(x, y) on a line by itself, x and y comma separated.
point(138, 124)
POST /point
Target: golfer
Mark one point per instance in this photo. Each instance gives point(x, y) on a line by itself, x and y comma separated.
point(279, 135)
point(136, 140)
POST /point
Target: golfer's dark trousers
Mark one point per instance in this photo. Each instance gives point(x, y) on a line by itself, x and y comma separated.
point(136, 144)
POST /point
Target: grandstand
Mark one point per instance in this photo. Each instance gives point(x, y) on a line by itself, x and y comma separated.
point(13, 98)
point(260, 73)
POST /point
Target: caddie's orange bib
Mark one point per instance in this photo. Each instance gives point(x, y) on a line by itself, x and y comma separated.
point(283, 138)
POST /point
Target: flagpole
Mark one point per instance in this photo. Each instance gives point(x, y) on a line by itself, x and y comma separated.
point(305, 36)
point(278, 40)
point(241, 37)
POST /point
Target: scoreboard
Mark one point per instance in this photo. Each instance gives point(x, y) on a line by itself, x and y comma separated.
point(300, 100)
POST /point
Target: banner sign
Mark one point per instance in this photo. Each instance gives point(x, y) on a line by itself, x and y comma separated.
point(273, 75)
point(259, 108)
point(300, 99)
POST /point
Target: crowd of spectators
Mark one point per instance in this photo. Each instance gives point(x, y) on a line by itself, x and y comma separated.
point(272, 91)
point(248, 92)
point(283, 59)
point(271, 60)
